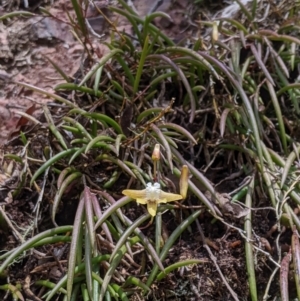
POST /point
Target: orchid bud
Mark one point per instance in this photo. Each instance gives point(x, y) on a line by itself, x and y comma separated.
point(184, 181)
point(156, 152)
point(215, 32)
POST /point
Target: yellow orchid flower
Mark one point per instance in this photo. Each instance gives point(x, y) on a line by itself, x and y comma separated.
point(152, 196)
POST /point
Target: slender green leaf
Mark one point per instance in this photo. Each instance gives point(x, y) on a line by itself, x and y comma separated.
point(74, 246)
point(51, 161)
point(65, 184)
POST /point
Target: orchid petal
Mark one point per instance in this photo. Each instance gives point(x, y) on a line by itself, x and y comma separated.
point(135, 194)
point(170, 197)
point(162, 201)
point(152, 208)
point(142, 201)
